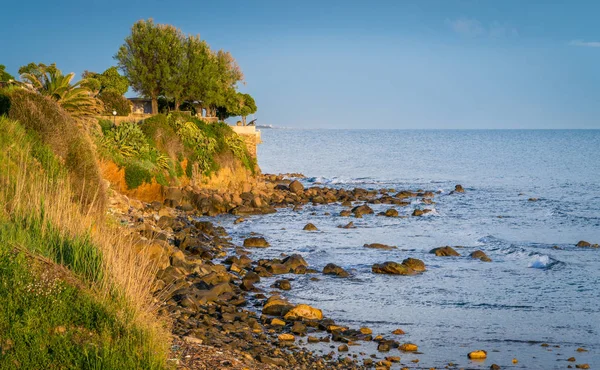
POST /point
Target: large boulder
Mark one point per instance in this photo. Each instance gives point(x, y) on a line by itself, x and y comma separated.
point(276, 306)
point(256, 242)
point(294, 262)
point(310, 227)
point(296, 187)
point(391, 212)
point(304, 311)
point(362, 210)
point(444, 252)
point(333, 269)
point(584, 244)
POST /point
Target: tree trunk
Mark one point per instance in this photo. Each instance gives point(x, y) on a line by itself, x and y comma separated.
point(244, 120)
point(176, 105)
point(154, 105)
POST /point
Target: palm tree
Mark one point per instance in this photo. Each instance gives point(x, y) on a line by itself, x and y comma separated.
point(77, 99)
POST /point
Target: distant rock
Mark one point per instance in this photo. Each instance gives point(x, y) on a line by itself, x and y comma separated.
point(349, 225)
point(380, 246)
point(362, 210)
point(391, 212)
point(404, 268)
point(584, 244)
point(444, 252)
point(415, 264)
point(477, 355)
point(310, 227)
point(459, 189)
point(480, 255)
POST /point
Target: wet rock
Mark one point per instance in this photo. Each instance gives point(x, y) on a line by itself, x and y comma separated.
point(362, 210)
point(480, 255)
point(495, 367)
point(408, 347)
point(391, 212)
point(283, 284)
point(313, 339)
point(366, 331)
point(278, 269)
point(295, 262)
point(256, 242)
point(398, 332)
point(286, 337)
point(310, 227)
point(239, 220)
point(584, 244)
point(532, 199)
point(444, 251)
point(349, 225)
point(343, 348)
point(582, 366)
point(345, 213)
point(379, 246)
point(296, 187)
point(298, 328)
point(333, 269)
point(459, 189)
point(415, 264)
point(304, 311)
point(418, 213)
point(571, 359)
point(276, 306)
point(477, 355)
point(277, 322)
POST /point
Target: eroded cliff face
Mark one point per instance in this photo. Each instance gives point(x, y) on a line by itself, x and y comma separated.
point(232, 178)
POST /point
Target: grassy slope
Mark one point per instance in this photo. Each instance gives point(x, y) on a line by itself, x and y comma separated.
point(73, 294)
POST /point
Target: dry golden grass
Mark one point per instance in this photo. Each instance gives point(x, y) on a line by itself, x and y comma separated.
point(127, 278)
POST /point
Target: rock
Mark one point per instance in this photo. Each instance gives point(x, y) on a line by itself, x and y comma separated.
point(192, 340)
point(345, 213)
point(366, 331)
point(298, 328)
point(481, 256)
point(408, 347)
point(418, 213)
point(515, 361)
point(379, 246)
point(278, 269)
point(532, 199)
point(333, 269)
point(276, 306)
point(256, 242)
point(582, 366)
point(283, 284)
point(584, 244)
point(444, 251)
point(343, 348)
point(477, 355)
point(272, 361)
point(571, 359)
point(304, 311)
point(410, 266)
point(391, 213)
point(415, 264)
point(286, 337)
point(398, 332)
point(277, 322)
point(295, 262)
point(459, 189)
point(313, 339)
point(362, 210)
point(296, 187)
point(310, 227)
point(239, 220)
point(495, 367)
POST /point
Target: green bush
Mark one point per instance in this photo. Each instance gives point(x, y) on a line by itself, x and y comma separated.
point(136, 174)
point(115, 101)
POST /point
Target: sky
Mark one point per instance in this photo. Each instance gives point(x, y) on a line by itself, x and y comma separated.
point(356, 64)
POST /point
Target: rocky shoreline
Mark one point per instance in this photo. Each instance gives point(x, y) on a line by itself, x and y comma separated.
point(207, 288)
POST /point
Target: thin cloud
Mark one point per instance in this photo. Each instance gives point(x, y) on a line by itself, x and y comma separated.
point(466, 27)
point(469, 27)
point(586, 44)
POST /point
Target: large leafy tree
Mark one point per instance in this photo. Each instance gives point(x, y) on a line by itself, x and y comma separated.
point(199, 70)
point(5, 76)
point(150, 58)
point(73, 97)
point(107, 81)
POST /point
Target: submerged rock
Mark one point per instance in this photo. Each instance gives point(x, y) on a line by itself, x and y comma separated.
point(333, 269)
point(444, 252)
point(480, 255)
point(349, 225)
point(379, 246)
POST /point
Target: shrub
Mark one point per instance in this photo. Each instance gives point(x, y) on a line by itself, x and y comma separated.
point(115, 101)
point(136, 174)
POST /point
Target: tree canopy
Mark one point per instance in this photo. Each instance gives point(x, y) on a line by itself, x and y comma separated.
point(107, 81)
point(5, 76)
point(159, 60)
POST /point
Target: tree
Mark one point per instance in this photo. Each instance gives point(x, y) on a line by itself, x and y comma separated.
point(49, 80)
point(198, 55)
point(237, 105)
point(107, 81)
point(247, 106)
point(146, 58)
point(5, 76)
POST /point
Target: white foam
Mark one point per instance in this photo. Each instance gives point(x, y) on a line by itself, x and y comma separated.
point(540, 262)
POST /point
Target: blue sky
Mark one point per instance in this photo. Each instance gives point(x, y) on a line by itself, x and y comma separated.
point(356, 64)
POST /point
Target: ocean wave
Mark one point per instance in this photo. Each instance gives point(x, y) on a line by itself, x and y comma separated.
point(542, 261)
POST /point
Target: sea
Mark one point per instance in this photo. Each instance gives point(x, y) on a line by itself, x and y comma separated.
point(530, 196)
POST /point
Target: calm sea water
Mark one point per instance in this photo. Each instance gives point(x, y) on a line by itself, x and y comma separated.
point(539, 288)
